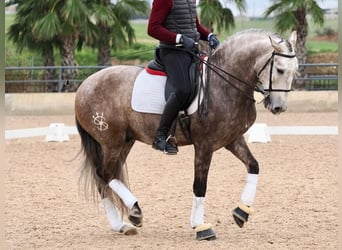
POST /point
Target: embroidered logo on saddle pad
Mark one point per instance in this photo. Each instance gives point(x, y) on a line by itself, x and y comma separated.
point(148, 92)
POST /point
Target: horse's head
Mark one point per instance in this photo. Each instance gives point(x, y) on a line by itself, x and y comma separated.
point(277, 71)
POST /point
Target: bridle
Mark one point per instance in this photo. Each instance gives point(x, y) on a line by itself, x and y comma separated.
point(259, 86)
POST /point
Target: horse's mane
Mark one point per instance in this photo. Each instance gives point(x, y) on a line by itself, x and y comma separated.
point(254, 34)
point(241, 35)
point(251, 31)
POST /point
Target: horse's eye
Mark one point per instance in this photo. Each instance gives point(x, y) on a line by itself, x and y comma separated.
point(280, 71)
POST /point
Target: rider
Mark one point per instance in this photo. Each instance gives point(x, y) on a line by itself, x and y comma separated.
point(175, 24)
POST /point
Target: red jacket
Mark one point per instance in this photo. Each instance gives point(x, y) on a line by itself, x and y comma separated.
point(160, 10)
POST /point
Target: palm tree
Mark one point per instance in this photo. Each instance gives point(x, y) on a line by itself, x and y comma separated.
point(292, 15)
point(68, 24)
point(213, 14)
point(20, 33)
point(64, 20)
point(112, 21)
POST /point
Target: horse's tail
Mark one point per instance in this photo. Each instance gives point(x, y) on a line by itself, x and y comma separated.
point(92, 166)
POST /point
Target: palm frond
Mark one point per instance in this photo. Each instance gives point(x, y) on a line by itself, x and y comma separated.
point(74, 11)
point(225, 20)
point(316, 12)
point(286, 21)
point(47, 27)
point(103, 15)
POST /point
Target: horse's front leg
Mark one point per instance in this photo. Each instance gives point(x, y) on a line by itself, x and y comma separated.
point(240, 149)
point(202, 163)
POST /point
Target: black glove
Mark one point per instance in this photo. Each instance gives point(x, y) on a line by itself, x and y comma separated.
point(213, 41)
point(187, 42)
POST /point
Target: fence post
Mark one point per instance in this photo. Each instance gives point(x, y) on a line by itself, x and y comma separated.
point(60, 83)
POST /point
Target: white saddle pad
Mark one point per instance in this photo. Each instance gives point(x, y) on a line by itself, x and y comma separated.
point(148, 94)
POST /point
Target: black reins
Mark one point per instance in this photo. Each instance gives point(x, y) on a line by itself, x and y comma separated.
point(221, 72)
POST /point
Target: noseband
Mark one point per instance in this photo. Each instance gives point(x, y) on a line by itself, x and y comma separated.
point(259, 87)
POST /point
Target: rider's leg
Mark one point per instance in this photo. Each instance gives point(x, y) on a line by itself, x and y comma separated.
point(178, 89)
point(170, 112)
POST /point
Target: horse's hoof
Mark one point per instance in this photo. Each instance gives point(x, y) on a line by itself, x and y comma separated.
point(240, 214)
point(238, 221)
point(136, 220)
point(135, 216)
point(205, 232)
point(128, 230)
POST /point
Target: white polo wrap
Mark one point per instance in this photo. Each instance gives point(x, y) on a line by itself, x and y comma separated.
point(197, 212)
point(113, 215)
point(123, 192)
point(248, 194)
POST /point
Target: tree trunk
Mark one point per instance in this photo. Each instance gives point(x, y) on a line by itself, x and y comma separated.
point(68, 59)
point(49, 74)
point(103, 54)
point(302, 33)
point(103, 58)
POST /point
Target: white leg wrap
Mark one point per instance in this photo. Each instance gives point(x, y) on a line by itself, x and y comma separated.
point(123, 192)
point(197, 212)
point(248, 194)
point(113, 215)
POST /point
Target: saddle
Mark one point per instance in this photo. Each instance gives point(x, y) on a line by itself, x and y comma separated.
point(154, 67)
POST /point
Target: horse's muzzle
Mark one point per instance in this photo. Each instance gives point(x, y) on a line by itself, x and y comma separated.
point(275, 109)
point(278, 110)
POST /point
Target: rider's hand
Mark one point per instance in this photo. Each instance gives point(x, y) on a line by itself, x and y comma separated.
point(213, 41)
point(187, 42)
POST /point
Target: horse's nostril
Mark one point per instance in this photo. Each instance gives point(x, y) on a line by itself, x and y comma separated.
point(277, 110)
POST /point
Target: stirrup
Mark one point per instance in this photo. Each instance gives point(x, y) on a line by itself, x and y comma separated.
point(174, 144)
point(162, 144)
point(173, 138)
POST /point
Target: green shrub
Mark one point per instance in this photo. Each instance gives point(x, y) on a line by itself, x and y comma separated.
point(326, 31)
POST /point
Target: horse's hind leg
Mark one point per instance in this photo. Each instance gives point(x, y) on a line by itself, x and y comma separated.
point(103, 163)
point(135, 215)
point(240, 149)
point(115, 159)
point(115, 218)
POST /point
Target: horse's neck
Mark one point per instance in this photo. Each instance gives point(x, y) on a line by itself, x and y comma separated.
point(244, 55)
point(237, 93)
point(236, 68)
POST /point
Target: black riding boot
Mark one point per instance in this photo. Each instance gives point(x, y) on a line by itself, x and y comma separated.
point(170, 112)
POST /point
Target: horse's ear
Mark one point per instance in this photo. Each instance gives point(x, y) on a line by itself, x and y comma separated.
point(293, 38)
point(275, 44)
